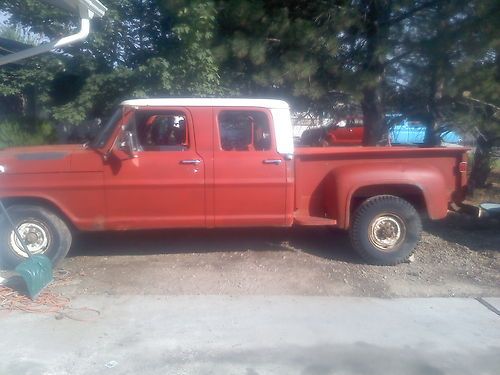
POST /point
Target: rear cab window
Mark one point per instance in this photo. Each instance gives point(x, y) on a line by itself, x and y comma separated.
point(244, 130)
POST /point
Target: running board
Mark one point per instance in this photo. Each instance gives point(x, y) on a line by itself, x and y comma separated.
point(314, 221)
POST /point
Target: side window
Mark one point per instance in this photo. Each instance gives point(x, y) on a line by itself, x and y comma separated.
point(161, 131)
point(244, 131)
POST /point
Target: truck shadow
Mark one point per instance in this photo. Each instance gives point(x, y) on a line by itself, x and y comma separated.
point(479, 235)
point(321, 242)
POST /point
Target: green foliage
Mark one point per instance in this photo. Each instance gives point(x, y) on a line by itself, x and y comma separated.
point(19, 34)
point(140, 48)
point(414, 57)
point(194, 67)
point(15, 133)
point(278, 49)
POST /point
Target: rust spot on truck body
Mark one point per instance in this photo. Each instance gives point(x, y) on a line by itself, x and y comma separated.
point(99, 223)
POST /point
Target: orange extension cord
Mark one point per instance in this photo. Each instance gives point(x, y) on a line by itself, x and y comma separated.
point(46, 303)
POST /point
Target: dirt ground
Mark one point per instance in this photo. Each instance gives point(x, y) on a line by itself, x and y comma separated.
point(456, 257)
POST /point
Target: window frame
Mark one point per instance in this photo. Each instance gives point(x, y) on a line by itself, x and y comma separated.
point(158, 111)
point(218, 141)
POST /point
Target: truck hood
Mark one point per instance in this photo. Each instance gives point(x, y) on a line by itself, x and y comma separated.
point(37, 159)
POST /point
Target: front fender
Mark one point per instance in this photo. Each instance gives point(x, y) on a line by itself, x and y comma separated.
point(396, 177)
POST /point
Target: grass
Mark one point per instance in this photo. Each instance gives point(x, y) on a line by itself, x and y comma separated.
point(17, 132)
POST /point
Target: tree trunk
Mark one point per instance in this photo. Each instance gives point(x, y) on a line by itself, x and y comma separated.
point(432, 137)
point(375, 131)
point(439, 64)
point(377, 32)
point(481, 167)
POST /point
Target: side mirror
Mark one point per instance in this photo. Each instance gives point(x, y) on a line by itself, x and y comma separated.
point(127, 144)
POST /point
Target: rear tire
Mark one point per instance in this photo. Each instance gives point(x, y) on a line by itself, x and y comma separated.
point(385, 230)
point(46, 233)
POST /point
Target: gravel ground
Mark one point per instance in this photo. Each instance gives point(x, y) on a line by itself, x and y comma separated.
point(456, 257)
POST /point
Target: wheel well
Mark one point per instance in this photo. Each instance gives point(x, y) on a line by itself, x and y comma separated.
point(412, 194)
point(42, 203)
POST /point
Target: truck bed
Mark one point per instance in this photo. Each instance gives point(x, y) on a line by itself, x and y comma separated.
point(433, 177)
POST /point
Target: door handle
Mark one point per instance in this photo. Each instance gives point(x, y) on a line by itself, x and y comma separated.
point(190, 161)
point(272, 161)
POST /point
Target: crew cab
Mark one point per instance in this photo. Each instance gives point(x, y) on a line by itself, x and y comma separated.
point(210, 163)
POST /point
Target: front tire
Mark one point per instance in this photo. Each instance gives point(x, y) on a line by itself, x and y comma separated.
point(45, 233)
point(385, 230)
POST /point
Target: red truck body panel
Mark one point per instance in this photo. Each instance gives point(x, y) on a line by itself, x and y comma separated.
point(154, 190)
point(247, 192)
point(68, 176)
point(205, 185)
point(328, 178)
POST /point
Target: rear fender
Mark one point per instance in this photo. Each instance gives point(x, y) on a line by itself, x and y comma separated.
point(343, 183)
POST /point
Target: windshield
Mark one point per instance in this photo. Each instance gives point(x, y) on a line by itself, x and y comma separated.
point(103, 136)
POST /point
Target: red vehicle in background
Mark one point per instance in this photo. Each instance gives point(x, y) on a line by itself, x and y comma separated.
point(348, 131)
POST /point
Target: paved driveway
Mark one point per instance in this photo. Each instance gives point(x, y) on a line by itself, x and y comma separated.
point(250, 335)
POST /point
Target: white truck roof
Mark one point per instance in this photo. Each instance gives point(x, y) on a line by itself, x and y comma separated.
point(208, 102)
point(278, 108)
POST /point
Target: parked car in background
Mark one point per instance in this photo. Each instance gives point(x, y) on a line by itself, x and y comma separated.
point(350, 131)
point(413, 132)
point(346, 132)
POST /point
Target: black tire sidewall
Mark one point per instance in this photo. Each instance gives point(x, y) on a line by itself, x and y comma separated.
point(380, 205)
point(60, 237)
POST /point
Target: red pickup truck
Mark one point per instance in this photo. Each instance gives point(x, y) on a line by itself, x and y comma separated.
point(208, 163)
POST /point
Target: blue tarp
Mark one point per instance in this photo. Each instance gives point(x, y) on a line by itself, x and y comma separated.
point(413, 132)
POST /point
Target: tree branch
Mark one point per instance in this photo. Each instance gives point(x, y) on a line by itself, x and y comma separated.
point(411, 12)
point(398, 58)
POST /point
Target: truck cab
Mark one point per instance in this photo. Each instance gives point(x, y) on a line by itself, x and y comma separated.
point(196, 163)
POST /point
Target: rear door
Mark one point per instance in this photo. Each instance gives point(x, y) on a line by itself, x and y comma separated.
point(249, 174)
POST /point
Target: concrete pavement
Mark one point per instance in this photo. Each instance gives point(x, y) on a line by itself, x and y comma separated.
point(253, 335)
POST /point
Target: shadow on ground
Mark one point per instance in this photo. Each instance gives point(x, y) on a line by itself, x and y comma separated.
point(476, 234)
point(321, 242)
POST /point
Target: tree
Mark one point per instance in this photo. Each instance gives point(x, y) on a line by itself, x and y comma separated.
point(140, 48)
point(193, 66)
point(479, 110)
point(23, 84)
point(316, 53)
point(280, 49)
point(448, 48)
point(375, 26)
point(434, 43)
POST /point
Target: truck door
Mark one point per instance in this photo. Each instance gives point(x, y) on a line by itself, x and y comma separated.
point(163, 185)
point(249, 174)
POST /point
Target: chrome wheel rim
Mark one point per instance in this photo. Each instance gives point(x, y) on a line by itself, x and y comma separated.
point(36, 236)
point(386, 232)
